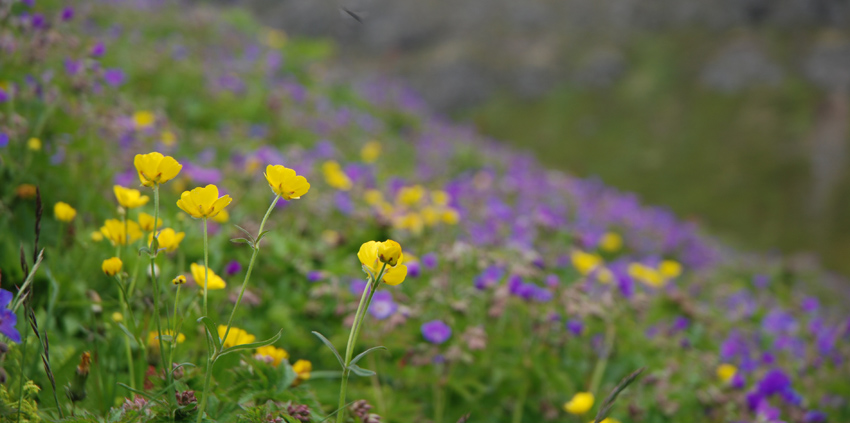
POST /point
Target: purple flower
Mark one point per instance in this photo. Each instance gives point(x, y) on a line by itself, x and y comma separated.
point(436, 332)
point(810, 304)
point(766, 411)
point(429, 260)
point(98, 49)
point(37, 20)
point(761, 281)
point(29, 3)
point(317, 275)
point(4, 96)
point(232, 268)
point(113, 77)
point(357, 287)
point(489, 277)
point(738, 381)
point(382, 305)
point(4, 140)
point(413, 269)
point(8, 320)
point(552, 280)
point(73, 67)
point(576, 327)
point(67, 13)
point(774, 381)
point(679, 324)
point(202, 175)
point(814, 416)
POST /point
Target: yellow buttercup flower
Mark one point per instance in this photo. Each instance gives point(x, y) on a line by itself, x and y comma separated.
point(368, 255)
point(168, 239)
point(179, 280)
point(153, 339)
point(670, 269)
point(130, 198)
point(96, 236)
point(114, 230)
point(410, 221)
point(604, 275)
point(410, 196)
point(146, 222)
point(646, 274)
point(222, 217)
point(273, 354)
point(440, 198)
point(154, 168)
point(373, 197)
point(389, 252)
point(117, 317)
point(203, 202)
point(143, 118)
point(581, 403)
point(112, 266)
point(302, 369)
point(611, 242)
point(34, 144)
point(168, 138)
point(64, 212)
point(370, 151)
point(585, 262)
point(285, 183)
point(335, 177)
point(215, 282)
point(450, 216)
point(235, 337)
point(725, 372)
point(430, 215)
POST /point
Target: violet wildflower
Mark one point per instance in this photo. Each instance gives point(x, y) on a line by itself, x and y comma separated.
point(8, 319)
point(774, 381)
point(761, 281)
point(37, 20)
point(29, 3)
point(73, 67)
point(382, 305)
point(809, 304)
point(4, 140)
point(429, 261)
point(113, 77)
point(436, 332)
point(738, 381)
point(232, 268)
point(317, 275)
point(576, 327)
point(680, 323)
point(98, 50)
point(4, 96)
point(814, 416)
point(489, 277)
point(67, 13)
point(552, 280)
point(413, 269)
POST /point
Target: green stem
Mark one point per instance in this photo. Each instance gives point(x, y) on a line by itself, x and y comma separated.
point(21, 373)
point(155, 284)
point(250, 268)
point(365, 299)
point(439, 404)
point(134, 277)
point(599, 371)
point(130, 363)
point(206, 266)
point(207, 377)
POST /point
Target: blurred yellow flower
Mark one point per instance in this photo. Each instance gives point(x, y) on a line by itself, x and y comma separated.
point(725, 372)
point(646, 274)
point(335, 177)
point(410, 196)
point(143, 118)
point(440, 198)
point(585, 263)
point(64, 212)
point(411, 221)
point(302, 369)
point(369, 257)
point(370, 151)
point(96, 236)
point(114, 230)
point(203, 202)
point(285, 183)
point(611, 242)
point(154, 168)
point(168, 138)
point(450, 216)
point(273, 354)
point(130, 198)
point(222, 217)
point(168, 239)
point(603, 275)
point(215, 282)
point(112, 266)
point(275, 38)
point(430, 215)
point(179, 280)
point(153, 339)
point(670, 269)
point(373, 197)
point(146, 222)
point(34, 144)
point(607, 420)
point(581, 403)
point(117, 317)
point(235, 337)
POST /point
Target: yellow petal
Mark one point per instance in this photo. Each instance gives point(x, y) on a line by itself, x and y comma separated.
point(368, 254)
point(168, 169)
point(394, 276)
point(219, 205)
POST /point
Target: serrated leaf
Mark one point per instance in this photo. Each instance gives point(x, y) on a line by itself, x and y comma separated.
point(359, 371)
point(253, 345)
point(211, 330)
point(364, 353)
point(332, 348)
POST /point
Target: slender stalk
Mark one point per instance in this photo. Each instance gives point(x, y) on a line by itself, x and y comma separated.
point(21, 373)
point(207, 377)
point(155, 284)
point(365, 299)
point(174, 333)
point(250, 268)
point(439, 401)
point(131, 365)
point(599, 370)
point(206, 266)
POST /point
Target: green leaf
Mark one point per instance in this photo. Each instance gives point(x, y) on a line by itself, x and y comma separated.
point(248, 234)
point(359, 371)
point(213, 332)
point(262, 234)
point(331, 346)
point(252, 346)
point(126, 331)
point(242, 241)
point(136, 391)
point(145, 250)
point(364, 353)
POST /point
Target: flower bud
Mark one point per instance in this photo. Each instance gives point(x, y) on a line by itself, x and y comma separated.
point(389, 252)
point(76, 390)
point(177, 372)
point(112, 266)
point(179, 280)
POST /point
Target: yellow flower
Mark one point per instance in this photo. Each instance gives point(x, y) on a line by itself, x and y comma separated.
point(129, 198)
point(34, 144)
point(285, 182)
point(611, 242)
point(146, 221)
point(373, 197)
point(604, 275)
point(275, 38)
point(581, 403)
point(64, 212)
point(368, 255)
point(389, 252)
point(275, 355)
point(302, 369)
point(168, 239)
point(179, 280)
point(168, 138)
point(430, 215)
point(410, 221)
point(670, 269)
point(114, 230)
point(153, 339)
point(335, 177)
point(725, 372)
point(646, 274)
point(371, 151)
point(143, 118)
point(215, 282)
point(450, 216)
point(112, 266)
point(117, 317)
point(410, 196)
point(222, 217)
point(585, 262)
point(203, 202)
point(607, 420)
point(235, 337)
point(154, 168)
point(440, 198)
point(96, 236)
